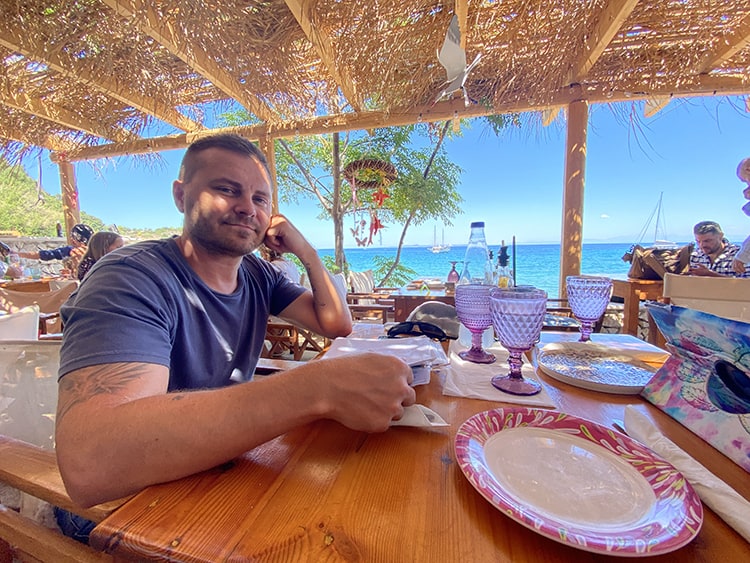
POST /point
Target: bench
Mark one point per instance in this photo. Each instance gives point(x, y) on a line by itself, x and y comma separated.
point(34, 471)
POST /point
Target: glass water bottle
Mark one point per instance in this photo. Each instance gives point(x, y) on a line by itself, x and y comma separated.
point(477, 267)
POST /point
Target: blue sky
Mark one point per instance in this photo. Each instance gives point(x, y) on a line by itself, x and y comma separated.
point(689, 151)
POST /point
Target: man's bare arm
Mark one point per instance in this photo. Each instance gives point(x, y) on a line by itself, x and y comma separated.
point(119, 431)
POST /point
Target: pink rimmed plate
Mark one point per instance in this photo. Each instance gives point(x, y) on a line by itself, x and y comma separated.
point(577, 482)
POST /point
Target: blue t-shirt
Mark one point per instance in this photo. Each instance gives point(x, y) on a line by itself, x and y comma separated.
point(143, 303)
point(56, 253)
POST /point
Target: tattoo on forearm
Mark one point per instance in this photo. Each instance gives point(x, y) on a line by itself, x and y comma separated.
point(76, 388)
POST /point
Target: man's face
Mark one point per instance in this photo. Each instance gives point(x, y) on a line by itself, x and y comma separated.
point(709, 243)
point(226, 202)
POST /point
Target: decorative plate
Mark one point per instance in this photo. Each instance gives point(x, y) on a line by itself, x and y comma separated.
point(597, 369)
point(577, 482)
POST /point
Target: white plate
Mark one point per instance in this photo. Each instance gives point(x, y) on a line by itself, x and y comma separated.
point(596, 368)
point(577, 482)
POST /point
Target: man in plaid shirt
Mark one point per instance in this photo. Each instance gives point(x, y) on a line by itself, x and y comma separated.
point(714, 254)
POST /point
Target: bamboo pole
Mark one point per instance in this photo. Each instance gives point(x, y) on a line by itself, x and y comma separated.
point(69, 192)
point(267, 146)
point(575, 174)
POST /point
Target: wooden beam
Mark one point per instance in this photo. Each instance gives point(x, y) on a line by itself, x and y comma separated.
point(572, 205)
point(61, 116)
point(165, 34)
point(462, 13)
point(728, 47)
point(608, 24)
point(69, 192)
point(302, 11)
point(704, 86)
point(268, 146)
point(20, 42)
point(19, 136)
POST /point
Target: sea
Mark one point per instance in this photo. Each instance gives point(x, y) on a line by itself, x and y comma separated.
point(535, 264)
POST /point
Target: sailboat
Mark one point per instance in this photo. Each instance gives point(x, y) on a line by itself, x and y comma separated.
point(660, 228)
point(438, 248)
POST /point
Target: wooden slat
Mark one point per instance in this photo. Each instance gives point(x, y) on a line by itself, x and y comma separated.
point(34, 471)
point(29, 538)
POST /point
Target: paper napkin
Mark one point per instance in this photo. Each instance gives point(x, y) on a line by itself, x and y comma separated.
point(467, 379)
point(419, 415)
point(715, 493)
point(419, 352)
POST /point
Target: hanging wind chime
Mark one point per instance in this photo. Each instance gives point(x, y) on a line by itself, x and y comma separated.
point(372, 177)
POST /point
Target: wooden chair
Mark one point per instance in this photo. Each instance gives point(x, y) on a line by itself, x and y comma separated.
point(28, 377)
point(361, 292)
point(49, 302)
point(724, 297)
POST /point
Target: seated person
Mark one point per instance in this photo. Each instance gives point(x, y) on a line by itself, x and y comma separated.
point(714, 254)
point(162, 338)
point(101, 243)
point(79, 235)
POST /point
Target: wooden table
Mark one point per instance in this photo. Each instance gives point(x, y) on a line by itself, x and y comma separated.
point(634, 291)
point(406, 300)
point(323, 492)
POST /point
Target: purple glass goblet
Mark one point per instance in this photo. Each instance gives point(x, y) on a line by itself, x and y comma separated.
point(588, 297)
point(473, 310)
point(517, 314)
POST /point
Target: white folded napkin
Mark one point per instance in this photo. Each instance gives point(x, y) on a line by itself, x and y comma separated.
point(720, 497)
point(419, 415)
point(467, 379)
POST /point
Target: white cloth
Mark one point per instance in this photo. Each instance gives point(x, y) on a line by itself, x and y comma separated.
point(467, 379)
point(744, 254)
point(720, 497)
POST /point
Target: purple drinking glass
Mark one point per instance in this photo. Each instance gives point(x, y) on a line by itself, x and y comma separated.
point(473, 310)
point(517, 314)
point(588, 297)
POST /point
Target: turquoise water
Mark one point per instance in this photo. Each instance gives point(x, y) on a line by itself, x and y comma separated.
point(536, 264)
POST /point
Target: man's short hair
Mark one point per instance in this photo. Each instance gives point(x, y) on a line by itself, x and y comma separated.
point(226, 141)
point(707, 227)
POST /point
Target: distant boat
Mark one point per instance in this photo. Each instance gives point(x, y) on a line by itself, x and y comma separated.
point(439, 248)
point(660, 229)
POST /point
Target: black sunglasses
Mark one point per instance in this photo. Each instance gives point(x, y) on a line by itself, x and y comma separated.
point(417, 328)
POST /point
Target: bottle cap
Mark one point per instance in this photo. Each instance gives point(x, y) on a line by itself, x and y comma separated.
point(477, 224)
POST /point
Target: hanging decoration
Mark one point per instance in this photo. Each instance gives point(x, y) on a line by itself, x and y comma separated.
point(373, 175)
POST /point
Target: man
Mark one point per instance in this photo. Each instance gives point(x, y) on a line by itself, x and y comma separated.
point(159, 330)
point(714, 254)
point(79, 235)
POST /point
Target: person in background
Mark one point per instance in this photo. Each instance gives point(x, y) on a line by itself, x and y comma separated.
point(741, 263)
point(79, 235)
point(162, 338)
point(286, 267)
point(714, 254)
point(100, 243)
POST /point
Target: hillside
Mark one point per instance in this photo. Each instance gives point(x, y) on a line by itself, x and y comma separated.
point(25, 210)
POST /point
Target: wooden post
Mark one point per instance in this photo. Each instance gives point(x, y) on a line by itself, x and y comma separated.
point(69, 192)
point(267, 145)
point(575, 173)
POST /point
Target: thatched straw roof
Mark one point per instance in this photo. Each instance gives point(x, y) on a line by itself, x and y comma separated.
point(119, 73)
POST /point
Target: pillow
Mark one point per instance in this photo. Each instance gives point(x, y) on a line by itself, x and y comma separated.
point(362, 282)
point(21, 325)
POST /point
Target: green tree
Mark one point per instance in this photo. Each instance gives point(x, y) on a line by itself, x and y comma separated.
point(27, 209)
point(312, 167)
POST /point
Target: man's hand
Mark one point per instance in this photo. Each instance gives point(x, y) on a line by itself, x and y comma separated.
point(282, 237)
point(738, 266)
point(364, 391)
point(703, 271)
